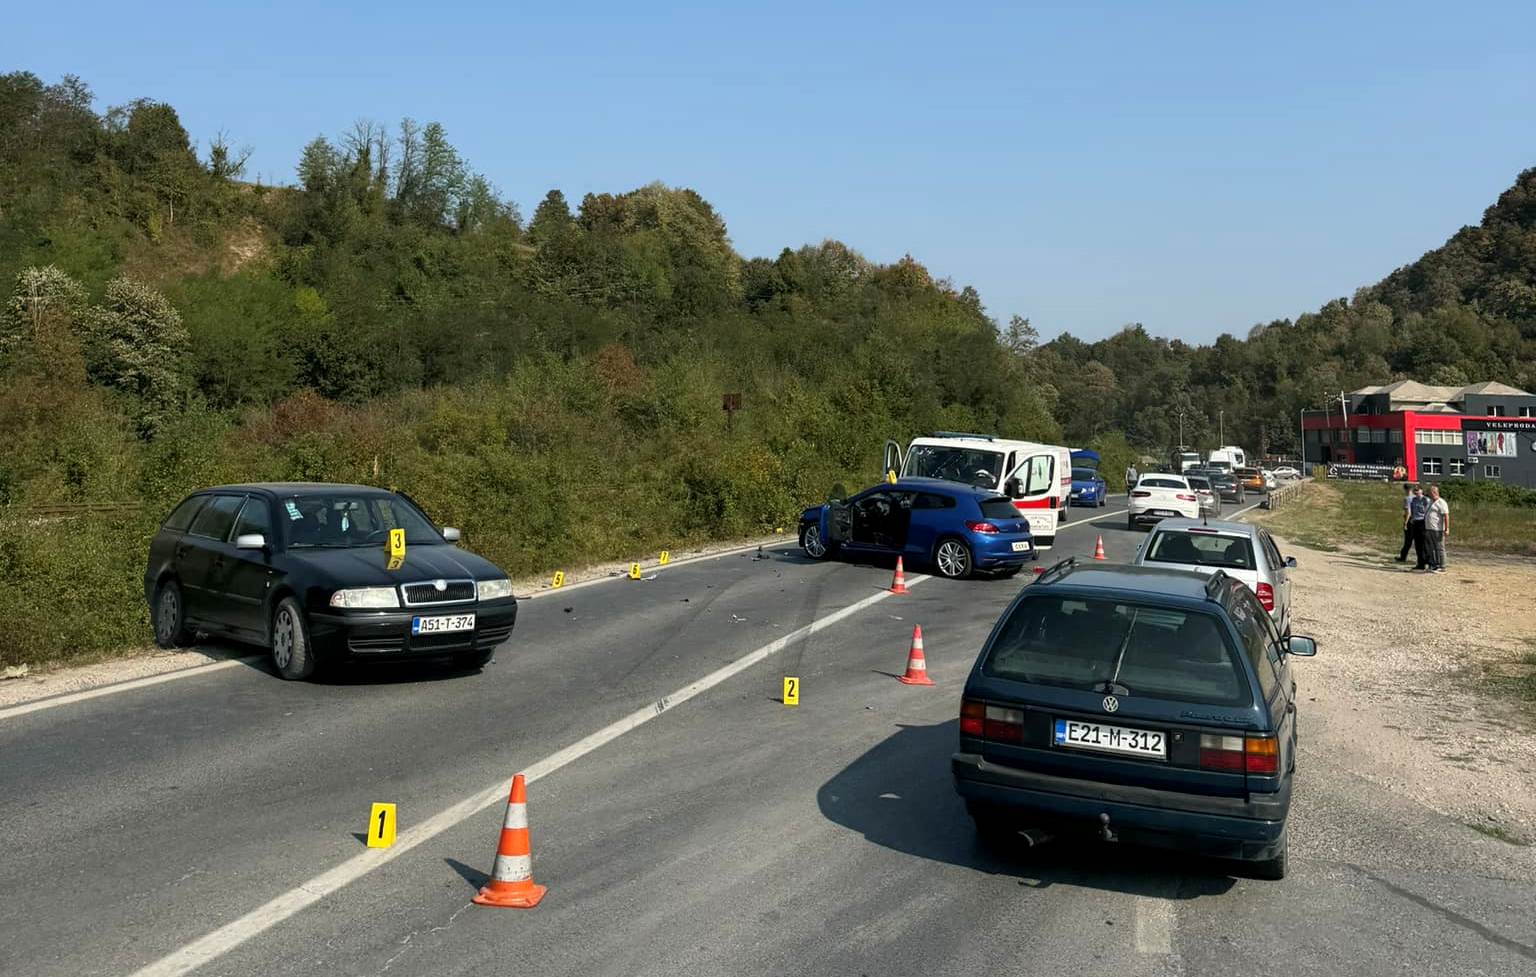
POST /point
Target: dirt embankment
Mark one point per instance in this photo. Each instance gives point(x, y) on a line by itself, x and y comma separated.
point(1425, 683)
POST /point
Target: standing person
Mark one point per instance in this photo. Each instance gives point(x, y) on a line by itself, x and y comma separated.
point(1437, 526)
point(1408, 531)
point(1131, 477)
point(1418, 507)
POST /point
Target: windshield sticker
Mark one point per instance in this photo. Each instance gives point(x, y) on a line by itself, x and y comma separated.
point(293, 511)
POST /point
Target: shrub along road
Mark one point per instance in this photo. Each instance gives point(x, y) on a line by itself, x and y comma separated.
point(728, 834)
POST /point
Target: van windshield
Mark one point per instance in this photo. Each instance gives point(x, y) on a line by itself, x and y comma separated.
point(1120, 647)
point(969, 466)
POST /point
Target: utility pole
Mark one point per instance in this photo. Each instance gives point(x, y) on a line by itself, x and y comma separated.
point(1221, 428)
point(1181, 431)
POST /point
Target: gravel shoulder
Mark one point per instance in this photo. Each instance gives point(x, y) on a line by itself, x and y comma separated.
point(1417, 686)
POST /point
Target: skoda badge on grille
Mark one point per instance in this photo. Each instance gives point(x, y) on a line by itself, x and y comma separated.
point(439, 585)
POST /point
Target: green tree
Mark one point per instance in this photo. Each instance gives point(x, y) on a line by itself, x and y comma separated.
point(135, 343)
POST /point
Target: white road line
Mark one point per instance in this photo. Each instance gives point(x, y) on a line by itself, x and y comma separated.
point(191, 671)
point(64, 699)
point(1154, 925)
point(264, 917)
point(776, 544)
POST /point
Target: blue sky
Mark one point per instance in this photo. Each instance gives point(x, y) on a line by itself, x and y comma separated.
point(1197, 167)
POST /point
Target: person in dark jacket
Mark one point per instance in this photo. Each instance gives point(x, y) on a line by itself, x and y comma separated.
point(1418, 507)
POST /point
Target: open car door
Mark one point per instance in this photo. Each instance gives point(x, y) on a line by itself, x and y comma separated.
point(839, 521)
point(1032, 487)
point(895, 458)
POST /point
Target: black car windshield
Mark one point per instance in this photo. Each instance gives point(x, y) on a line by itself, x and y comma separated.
point(1118, 646)
point(970, 466)
point(348, 519)
point(1201, 548)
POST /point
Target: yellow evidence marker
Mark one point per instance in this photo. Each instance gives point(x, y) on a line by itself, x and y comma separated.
point(791, 690)
point(890, 476)
point(397, 544)
point(381, 826)
point(395, 563)
point(665, 558)
point(559, 579)
point(634, 571)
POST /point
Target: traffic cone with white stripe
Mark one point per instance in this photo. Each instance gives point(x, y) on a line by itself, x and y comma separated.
point(917, 665)
point(1098, 549)
point(511, 884)
point(899, 582)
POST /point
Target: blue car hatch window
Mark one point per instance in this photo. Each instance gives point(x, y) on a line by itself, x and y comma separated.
point(1116, 645)
point(998, 508)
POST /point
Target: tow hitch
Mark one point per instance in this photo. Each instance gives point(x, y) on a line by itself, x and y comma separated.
point(1105, 831)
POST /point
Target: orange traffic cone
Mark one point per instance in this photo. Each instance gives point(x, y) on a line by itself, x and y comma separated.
point(899, 582)
point(917, 665)
point(1098, 549)
point(511, 885)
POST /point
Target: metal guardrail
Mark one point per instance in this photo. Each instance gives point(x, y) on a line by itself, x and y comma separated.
point(1284, 493)
point(68, 509)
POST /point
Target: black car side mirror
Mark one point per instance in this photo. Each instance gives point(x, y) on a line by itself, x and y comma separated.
point(1290, 561)
point(250, 541)
point(450, 534)
point(1300, 646)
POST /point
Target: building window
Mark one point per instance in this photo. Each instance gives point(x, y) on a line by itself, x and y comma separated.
point(1458, 467)
point(1395, 436)
point(1496, 410)
point(1362, 435)
point(1437, 437)
point(1379, 435)
point(1429, 466)
point(1528, 412)
point(1493, 471)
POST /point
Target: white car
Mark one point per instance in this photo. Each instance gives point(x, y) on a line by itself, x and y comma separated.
point(1238, 549)
point(1270, 479)
point(1286, 472)
point(1159, 495)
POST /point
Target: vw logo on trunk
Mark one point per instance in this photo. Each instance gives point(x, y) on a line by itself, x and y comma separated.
point(1111, 703)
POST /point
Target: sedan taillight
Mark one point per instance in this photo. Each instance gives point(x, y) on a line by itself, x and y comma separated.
point(1186, 498)
point(1266, 595)
point(1141, 495)
point(982, 527)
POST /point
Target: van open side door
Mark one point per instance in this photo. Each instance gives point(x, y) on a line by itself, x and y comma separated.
point(1032, 486)
point(895, 458)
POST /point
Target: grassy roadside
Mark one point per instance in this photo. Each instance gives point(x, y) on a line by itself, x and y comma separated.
point(1368, 515)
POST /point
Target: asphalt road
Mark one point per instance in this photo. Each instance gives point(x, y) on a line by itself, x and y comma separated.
point(727, 834)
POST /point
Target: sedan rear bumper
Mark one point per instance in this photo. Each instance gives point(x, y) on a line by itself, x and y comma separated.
point(387, 634)
point(1250, 828)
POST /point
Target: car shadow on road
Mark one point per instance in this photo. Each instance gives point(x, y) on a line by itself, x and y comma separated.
point(900, 795)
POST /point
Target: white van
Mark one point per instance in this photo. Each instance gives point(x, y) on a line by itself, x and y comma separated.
point(1227, 458)
point(1037, 477)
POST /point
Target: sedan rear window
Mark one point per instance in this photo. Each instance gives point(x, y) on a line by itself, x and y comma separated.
point(999, 508)
point(1201, 549)
point(182, 517)
point(1118, 646)
point(1167, 483)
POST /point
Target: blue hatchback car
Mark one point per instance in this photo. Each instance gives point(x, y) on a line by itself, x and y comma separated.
point(958, 529)
point(1088, 487)
point(1146, 705)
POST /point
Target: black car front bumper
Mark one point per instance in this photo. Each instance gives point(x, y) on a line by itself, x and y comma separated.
point(1250, 828)
point(387, 634)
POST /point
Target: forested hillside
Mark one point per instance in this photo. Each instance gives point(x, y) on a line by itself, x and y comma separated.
point(554, 385)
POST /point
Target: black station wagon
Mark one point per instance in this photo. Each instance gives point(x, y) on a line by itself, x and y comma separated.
point(308, 572)
point(1145, 704)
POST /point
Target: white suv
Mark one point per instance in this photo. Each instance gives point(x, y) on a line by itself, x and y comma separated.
point(1162, 496)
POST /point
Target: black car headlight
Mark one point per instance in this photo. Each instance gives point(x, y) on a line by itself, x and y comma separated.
point(493, 589)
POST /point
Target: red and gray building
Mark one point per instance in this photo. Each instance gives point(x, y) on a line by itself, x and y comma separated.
point(1484, 431)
